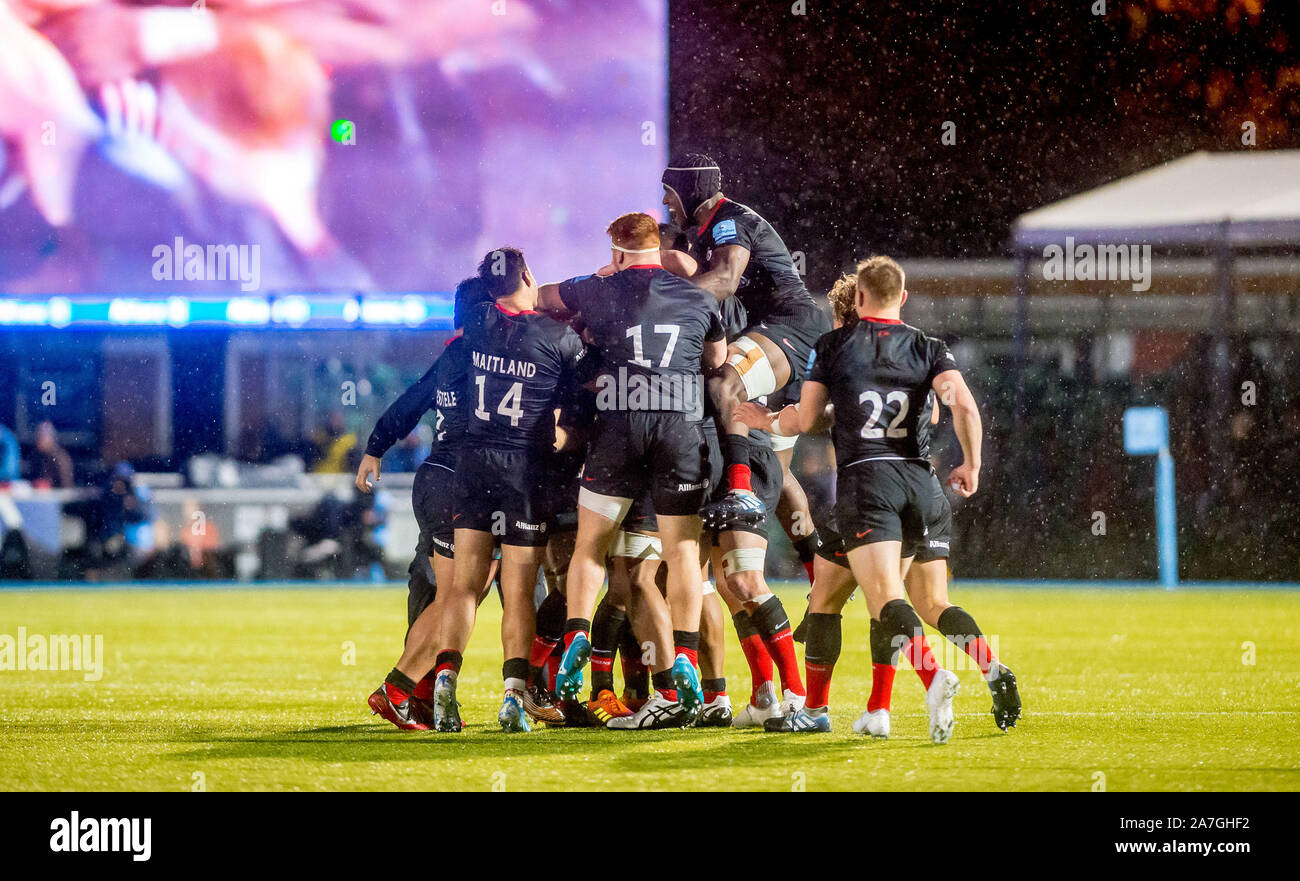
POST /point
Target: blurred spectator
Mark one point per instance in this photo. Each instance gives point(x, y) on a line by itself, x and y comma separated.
point(342, 539)
point(8, 456)
point(52, 464)
point(118, 523)
point(333, 442)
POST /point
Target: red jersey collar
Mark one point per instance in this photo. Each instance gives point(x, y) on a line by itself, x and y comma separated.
point(506, 311)
point(643, 266)
point(712, 214)
point(883, 320)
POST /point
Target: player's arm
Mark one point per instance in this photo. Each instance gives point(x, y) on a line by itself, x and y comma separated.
point(715, 354)
point(726, 266)
point(952, 390)
point(715, 342)
point(811, 414)
point(398, 421)
point(550, 302)
point(679, 263)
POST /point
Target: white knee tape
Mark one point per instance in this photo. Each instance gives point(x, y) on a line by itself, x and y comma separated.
point(743, 560)
point(708, 588)
point(613, 507)
point(781, 442)
point(636, 546)
point(753, 367)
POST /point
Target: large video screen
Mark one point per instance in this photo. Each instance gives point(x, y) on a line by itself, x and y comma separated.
point(255, 148)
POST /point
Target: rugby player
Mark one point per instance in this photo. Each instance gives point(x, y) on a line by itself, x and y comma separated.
point(657, 333)
point(741, 255)
point(400, 700)
point(738, 548)
point(522, 366)
point(878, 375)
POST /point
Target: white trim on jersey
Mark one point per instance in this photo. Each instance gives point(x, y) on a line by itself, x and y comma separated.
point(888, 459)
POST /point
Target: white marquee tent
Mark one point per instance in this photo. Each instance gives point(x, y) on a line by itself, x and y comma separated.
point(1239, 200)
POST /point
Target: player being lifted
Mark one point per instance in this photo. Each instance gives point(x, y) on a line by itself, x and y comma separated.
point(877, 374)
point(741, 255)
point(656, 333)
point(522, 365)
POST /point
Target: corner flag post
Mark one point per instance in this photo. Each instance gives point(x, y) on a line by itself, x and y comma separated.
point(1146, 432)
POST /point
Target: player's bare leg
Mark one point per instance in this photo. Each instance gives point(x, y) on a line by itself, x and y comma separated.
point(740, 556)
point(598, 521)
point(927, 589)
point(539, 702)
point(405, 698)
point(679, 538)
point(648, 609)
point(519, 567)
point(559, 553)
point(794, 513)
point(713, 643)
point(832, 587)
point(652, 621)
point(453, 610)
point(877, 568)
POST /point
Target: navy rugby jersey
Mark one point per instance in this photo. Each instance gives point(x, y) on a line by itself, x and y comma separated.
point(770, 288)
point(522, 367)
point(647, 321)
point(879, 375)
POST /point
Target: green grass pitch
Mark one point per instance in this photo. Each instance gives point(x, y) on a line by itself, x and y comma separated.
point(264, 689)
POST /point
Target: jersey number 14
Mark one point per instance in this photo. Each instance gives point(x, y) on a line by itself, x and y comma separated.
point(511, 405)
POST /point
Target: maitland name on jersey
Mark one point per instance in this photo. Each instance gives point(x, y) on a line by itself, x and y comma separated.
point(504, 366)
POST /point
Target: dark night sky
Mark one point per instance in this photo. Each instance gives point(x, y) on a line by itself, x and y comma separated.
point(829, 123)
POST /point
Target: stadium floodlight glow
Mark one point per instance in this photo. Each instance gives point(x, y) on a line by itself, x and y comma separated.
point(293, 311)
point(380, 310)
point(24, 312)
point(1146, 432)
point(248, 310)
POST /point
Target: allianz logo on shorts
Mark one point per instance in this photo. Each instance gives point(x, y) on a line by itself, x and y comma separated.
point(531, 527)
point(939, 544)
point(688, 487)
point(626, 390)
